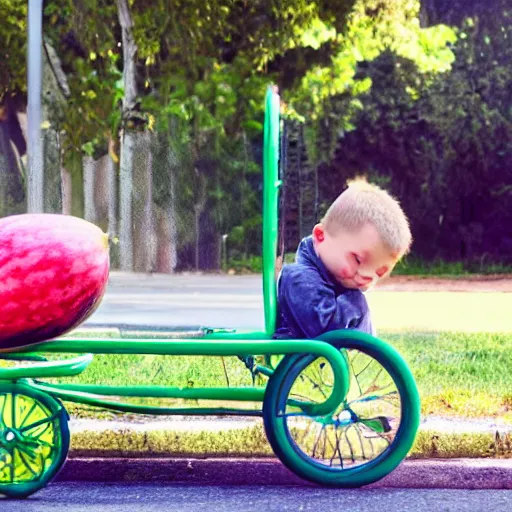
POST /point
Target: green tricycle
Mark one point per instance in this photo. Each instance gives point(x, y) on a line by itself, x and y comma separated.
point(341, 410)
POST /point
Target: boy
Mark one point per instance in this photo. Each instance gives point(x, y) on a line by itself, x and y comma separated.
point(361, 238)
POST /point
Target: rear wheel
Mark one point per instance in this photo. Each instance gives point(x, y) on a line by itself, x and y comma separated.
point(369, 433)
point(34, 439)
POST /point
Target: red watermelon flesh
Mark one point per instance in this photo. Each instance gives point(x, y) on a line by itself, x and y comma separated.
point(53, 274)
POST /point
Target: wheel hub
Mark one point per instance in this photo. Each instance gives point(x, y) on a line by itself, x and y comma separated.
point(8, 437)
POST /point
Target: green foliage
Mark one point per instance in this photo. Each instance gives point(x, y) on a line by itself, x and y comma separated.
point(251, 264)
point(84, 36)
point(13, 44)
point(373, 27)
point(417, 106)
point(439, 141)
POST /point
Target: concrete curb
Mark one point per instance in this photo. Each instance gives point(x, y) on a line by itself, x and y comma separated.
point(413, 474)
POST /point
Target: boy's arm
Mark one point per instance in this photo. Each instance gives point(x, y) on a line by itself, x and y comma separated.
point(311, 307)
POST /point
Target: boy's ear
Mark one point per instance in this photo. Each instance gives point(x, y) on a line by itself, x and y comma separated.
point(319, 233)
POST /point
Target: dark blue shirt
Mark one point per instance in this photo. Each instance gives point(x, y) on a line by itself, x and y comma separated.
point(311, 301)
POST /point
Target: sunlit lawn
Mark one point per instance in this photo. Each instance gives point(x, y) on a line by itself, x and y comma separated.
point(442, 311)
point(459, 371)
point(462, 374)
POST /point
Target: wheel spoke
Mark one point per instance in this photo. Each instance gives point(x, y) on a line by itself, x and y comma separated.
point(2, 412)
point(345, 433)
point(338, 442)
point(37, 436)
point(27, 416)
point(317, 440)
point(13, 410)
point(27, 463)
point(11, 453)
point(38, 423)
point(357, 428)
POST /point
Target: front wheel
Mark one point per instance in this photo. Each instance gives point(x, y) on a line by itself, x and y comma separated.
point(34, 439)
point(370, 432)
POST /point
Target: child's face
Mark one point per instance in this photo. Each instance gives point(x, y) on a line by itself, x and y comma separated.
point(356, 259)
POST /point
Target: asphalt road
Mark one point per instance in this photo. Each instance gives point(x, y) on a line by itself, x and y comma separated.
point(234, 302)
point(82, 497)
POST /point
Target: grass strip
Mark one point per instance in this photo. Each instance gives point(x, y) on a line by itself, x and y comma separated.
point(252, 442)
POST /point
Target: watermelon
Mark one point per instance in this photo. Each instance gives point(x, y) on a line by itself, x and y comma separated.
point(53, 274)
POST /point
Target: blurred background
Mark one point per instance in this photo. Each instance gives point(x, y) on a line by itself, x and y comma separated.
point(152, 114)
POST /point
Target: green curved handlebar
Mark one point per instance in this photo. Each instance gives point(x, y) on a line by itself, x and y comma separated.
point(65, 368)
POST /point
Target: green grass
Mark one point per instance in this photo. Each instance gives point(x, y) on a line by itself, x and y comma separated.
point(458, 374)
point(252, 441)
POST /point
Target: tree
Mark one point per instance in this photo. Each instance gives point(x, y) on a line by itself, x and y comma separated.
point(12, 79)
point(129, 135)
point(441, 143)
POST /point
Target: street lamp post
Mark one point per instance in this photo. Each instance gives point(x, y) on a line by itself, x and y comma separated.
point(35, 181)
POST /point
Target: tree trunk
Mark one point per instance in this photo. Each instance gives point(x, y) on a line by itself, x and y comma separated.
point(129, 53)
point(12, 195)
point(89, 166)
point(128, 137)
point(143, 236)
point(55, 94)
point(125, 199)
point(74, 165)
point(171, 216)
point(166, 252)
point(52, 188)
point(67, 191)
point(112, 187)
point(199, 205)
point(166, 229)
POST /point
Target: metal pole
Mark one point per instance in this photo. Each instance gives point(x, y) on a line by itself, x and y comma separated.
point(35, 182)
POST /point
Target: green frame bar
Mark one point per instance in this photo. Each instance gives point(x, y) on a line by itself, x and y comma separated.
point(187, 347)
point(271, 186)
point(65, 368)
point(239, 394)
point(96, 401)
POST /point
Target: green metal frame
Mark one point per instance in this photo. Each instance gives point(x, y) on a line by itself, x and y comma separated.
point(213, 343)
point(27, 379)
point(271, 186)
point(235, 345)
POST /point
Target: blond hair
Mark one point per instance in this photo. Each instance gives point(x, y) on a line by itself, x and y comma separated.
point(362, 203)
